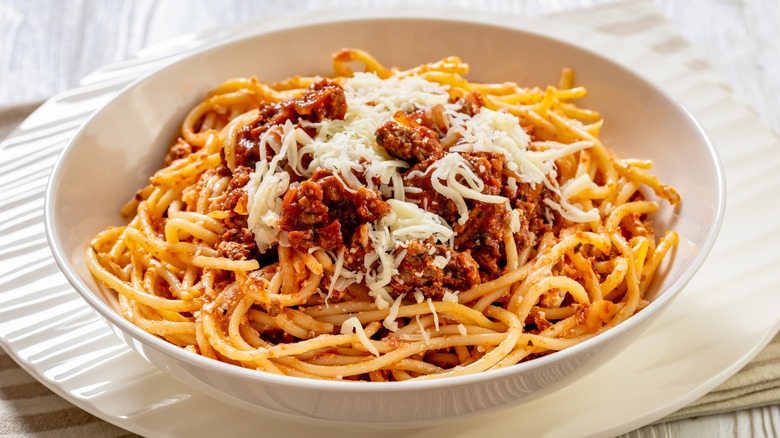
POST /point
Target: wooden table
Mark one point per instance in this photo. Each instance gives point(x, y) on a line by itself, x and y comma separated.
point(47, 46)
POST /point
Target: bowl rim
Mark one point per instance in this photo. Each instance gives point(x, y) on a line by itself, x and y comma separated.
point(330, 17)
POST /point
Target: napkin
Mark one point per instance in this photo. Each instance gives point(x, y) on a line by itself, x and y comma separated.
point(756, 385)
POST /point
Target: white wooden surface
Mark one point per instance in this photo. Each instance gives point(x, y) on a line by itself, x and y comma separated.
point(46, 46)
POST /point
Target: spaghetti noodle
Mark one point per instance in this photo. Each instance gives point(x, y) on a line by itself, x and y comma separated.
point(386, 225)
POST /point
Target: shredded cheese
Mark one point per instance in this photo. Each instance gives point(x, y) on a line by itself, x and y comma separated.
point(348, 148)
point(448, 169)
point(353, 325)
point(570, 190)
point(390, 322)
point(514, 221)
point(407, 221)
point(450, 297)
point(423, 331)
point(266, 186)
point(435, 315)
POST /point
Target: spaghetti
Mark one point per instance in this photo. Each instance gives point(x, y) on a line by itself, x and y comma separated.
point(386, 225)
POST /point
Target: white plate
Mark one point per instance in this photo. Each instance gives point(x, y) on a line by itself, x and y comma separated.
point(723, 318)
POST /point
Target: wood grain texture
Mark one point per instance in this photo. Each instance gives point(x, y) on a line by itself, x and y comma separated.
point(46, 46)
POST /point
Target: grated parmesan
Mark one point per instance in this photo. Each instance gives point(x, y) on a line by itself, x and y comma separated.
point(450, 297)
point(435, 315)
point(353, 325)
point(349, 150)
point(423, 331)
point(448, 169)
point(390, 322)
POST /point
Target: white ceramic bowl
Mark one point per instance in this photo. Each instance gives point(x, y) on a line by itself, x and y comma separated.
point(116, 151)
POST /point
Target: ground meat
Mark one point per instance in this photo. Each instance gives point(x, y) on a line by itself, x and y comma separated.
point(178, 150)
point(462, 271)
point(409, 143)
point(327, 237)
point(485, 226)
point(487, 222)
point(247, 149)
point(489, 259)
point(483, 232)
point(418, 270)
point(527, 199)
point(323, 100)
point(237, 244)
point(421, 268)
point(350, 208)
point(355, 257)
point(234, 198)
point(533, 212)
point(322, 212)
point(487, 166)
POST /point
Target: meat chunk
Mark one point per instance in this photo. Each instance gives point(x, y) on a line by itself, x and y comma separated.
point(359, 247)
point(323, 212)
point(327, 237)
point(415, 143)
point(434, 270)
point(487, 222)
point(427, 198)
point(533, 215)
point(462, 271)
point(489, 168)
point(234, 198)
point(237, 244)
point(351, 208)
point(178, 150)
point(484, 227)
point(418, 270)
point(483, 234)
point(323, 100)
point(406, 138)
point(303, 209)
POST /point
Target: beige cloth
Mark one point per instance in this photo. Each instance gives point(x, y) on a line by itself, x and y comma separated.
point(757, 384)
point(27, 408)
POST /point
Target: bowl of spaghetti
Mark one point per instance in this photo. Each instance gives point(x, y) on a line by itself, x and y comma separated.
point(384, 234)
